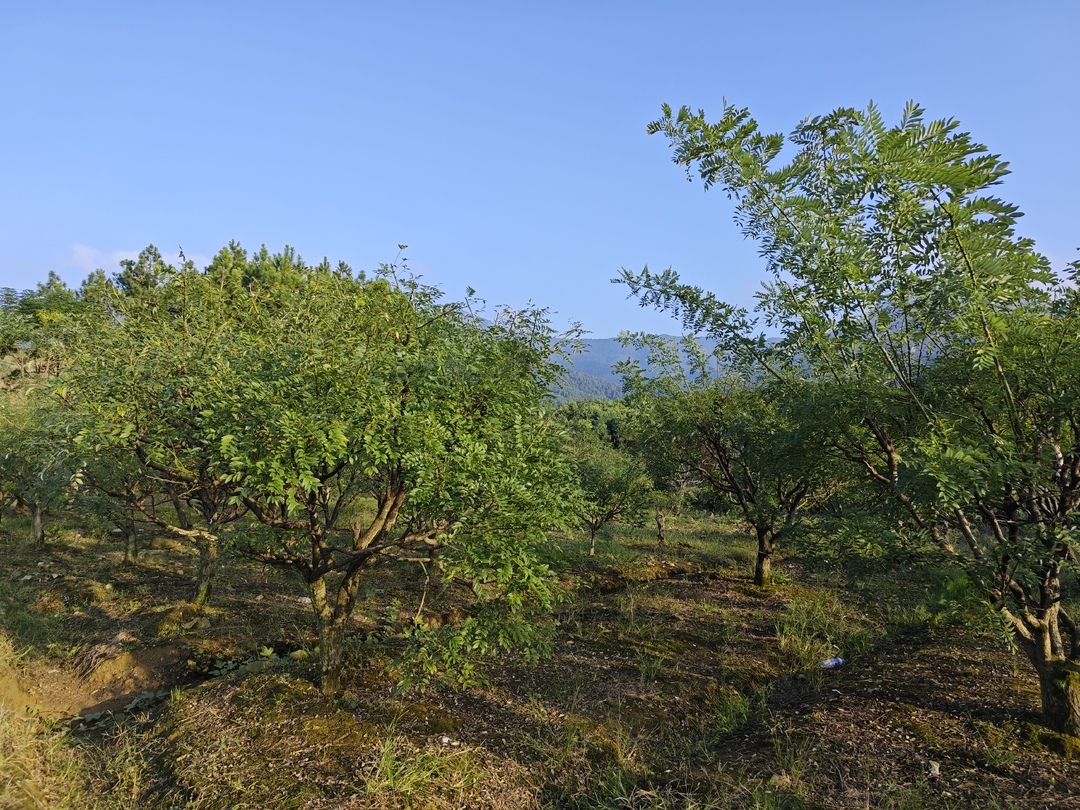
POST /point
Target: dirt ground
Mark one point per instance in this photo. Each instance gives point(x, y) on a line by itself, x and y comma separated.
point(673, 683)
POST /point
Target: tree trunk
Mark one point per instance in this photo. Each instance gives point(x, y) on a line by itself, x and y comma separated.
point(1059, 682)
point(37, 529)
point(131, 545)
point(763, 567)
point(661, 534)
point(330, 624)
point(1042, 643)
point(330, 660)
point(592, 542)
point(204, 576)
point(181, 515)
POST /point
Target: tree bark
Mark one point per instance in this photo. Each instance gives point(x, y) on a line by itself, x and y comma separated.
point(763, 567)
point(1059, 678)
point(131, 545)
point(330, 621)
point(330, 659)
point(37, 528)
point(209, 553)
point(181, 513)
point(1059, 683)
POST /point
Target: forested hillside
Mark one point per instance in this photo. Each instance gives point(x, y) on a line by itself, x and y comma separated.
point(578, 386)
point(592, 371)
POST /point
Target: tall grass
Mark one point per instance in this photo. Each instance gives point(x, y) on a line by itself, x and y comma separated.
point(813, 628)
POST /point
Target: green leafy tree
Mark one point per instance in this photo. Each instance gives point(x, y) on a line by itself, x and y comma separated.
point(736, 436)
point(613, 485)
point(35, 327)
point(898, 282)
point(132, 403)
point(612, 479)
point(356, 421)
point(35, 472)
point(376, 390)
point(141, 275)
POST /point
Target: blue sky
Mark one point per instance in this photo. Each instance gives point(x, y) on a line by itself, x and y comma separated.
point(503, 142)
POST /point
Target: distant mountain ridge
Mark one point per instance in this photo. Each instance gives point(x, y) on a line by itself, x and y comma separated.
point(591, 373)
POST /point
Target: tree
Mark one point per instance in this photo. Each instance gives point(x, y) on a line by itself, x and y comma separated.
point(357, 421)
point(612, 480)
point(377, 390)
point(898, 282)
point(132, 402)
point(33, 470)
point(35, 326)
point(613, 485)
point(738, 437)
point(142, 275)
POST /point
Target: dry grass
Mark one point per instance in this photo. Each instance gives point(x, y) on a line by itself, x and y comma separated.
point(42, 765)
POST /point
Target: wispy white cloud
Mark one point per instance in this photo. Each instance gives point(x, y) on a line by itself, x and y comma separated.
point(88, 259)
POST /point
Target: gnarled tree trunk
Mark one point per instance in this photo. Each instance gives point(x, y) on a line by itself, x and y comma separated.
point(331, 619)
point(1046, 635)
point(1059, 683)
point(209, 553)
point(766, 545)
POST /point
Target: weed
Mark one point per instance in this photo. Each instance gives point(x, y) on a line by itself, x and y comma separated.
point(40, 766)
point(766, 796)
point(810, 630)
point(790, 752)
point(409, 774)
point(731, 712)
point(649, 667)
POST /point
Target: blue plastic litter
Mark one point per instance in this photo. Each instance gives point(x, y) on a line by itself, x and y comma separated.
point(832, 663)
